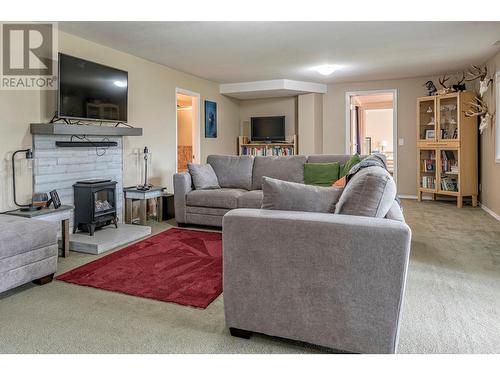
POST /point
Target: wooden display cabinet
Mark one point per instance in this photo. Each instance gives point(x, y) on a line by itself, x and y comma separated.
point(447, 147)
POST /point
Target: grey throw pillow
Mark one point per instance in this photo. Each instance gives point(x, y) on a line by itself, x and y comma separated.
point(293, 196)
point(370, 192)
point(233, 171)
point(203, 176)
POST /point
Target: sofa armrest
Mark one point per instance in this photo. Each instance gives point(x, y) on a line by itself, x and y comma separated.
point(182, 185)
point(332, 280)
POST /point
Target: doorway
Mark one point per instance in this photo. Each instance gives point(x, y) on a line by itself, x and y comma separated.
point(187, 128)
point(371, 125)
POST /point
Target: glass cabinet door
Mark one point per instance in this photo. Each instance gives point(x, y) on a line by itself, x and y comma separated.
point(448, 118)
point(427, 119)
point(449, 171)
point(427, 169)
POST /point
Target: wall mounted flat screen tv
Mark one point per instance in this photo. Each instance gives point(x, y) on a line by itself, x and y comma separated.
point(271, 128)
point(91, 91)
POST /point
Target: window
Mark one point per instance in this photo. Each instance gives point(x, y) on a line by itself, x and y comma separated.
point(497, 111)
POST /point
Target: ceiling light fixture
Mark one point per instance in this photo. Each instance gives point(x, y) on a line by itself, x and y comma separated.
point(326, 70)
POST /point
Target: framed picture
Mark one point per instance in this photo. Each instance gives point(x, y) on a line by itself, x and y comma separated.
point(210, 119)
point(430, 134)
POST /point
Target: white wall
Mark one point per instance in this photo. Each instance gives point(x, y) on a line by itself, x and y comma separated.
point(378, 126)
point(310, 124)
point(152, 106)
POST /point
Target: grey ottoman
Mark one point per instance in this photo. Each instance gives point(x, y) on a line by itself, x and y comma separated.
point(28, 251)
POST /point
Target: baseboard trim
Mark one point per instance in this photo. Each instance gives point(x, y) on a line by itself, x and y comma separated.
point(489, 211)
point(414, 197)
point(407, 196)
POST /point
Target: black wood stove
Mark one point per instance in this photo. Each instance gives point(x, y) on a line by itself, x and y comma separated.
point(95, 204)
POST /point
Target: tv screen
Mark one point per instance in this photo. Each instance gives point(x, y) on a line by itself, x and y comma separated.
point(91, 91)
point(270, 128)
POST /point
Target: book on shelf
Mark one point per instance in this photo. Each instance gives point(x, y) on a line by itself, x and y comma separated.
point(428, 165)
point(449, 184)
point(267, 151)
point(428, 182)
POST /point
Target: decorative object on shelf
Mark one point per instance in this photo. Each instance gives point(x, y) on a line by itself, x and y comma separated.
point(147, 159)
point(41, 199)
point(430, 134)
point(476, 72)
point(432, 121)
point(429, 110)
point(29, 156)
point(431, 88)
point(479, 108)
point(210, 119)
point(445, 89)
point(460, 85)
point(54, 199)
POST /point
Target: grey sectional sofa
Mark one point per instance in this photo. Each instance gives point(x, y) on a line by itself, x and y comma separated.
point(240, 178)
point(333, 280)
point(28, 251)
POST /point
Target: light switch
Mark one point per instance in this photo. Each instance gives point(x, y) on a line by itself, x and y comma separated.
point(401, 142)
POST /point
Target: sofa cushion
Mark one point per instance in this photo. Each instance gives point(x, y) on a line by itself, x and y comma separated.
point(216, 198)
point(292, 196)
point(321, 174)
point(233, 171)
point(203, 176)
point(251, 199)
point(207, 210)
point(19, 235)
point(286, 168)
point(395, 212)
point(342, 159)
point(370, 192)
point(345, 168)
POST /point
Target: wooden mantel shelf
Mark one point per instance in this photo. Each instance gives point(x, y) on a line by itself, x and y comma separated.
point(66, 129)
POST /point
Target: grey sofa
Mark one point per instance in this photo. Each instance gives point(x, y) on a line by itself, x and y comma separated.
point(240, 178)
point(333, 280)
point(28, 251)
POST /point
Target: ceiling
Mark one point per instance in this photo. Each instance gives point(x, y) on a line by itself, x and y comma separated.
point(228, 52)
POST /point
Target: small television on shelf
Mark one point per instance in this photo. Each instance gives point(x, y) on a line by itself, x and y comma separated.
point(91, 91)
point(267, 129)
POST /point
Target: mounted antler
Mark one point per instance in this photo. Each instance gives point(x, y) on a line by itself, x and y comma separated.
point(480, 108)
point(482, 74)
point(461, 79)
point(460, 85)
point(477, 72)
point(443, 80)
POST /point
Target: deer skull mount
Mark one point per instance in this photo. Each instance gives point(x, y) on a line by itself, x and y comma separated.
point(480, 109)
point(476, 72)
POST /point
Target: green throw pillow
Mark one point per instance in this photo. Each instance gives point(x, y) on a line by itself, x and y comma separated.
point(321, 174)
point(345, 168)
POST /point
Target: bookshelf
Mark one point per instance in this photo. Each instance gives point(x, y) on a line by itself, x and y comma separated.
point(447, 161)
point(287, 148)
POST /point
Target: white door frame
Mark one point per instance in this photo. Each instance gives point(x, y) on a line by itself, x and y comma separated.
point(196, 125)
point(394, 92)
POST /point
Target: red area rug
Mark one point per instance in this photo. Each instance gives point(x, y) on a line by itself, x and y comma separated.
point(178, 265)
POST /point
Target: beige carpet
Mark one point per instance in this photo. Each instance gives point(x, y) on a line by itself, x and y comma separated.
point(452, 302)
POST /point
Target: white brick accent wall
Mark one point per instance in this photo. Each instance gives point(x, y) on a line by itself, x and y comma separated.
point(60, 167)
